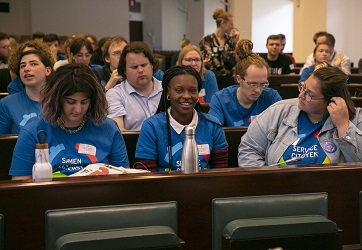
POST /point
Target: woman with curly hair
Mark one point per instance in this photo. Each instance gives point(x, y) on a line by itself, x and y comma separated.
point(21, 108)
point(16, 85)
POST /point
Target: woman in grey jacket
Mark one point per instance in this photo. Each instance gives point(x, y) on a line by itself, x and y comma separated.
point(322, 126)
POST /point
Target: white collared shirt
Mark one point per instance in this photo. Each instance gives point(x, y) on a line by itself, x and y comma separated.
point(179, 127)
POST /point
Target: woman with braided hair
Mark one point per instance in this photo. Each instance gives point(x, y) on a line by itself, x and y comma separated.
point(159, 145)
point(238, 105)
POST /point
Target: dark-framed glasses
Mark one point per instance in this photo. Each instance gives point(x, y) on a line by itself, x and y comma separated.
point(302, 87)
point(190, 60)
point(116, 53)
point(254, 85)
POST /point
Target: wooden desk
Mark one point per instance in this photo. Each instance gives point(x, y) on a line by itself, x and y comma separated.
point(23, 204)
point(7, 144)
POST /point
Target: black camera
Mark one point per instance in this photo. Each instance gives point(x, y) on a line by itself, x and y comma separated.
point(216, 62)
point(228, 59)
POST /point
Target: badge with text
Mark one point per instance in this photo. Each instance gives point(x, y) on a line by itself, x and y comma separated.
point(204, 149)
point(87, 149)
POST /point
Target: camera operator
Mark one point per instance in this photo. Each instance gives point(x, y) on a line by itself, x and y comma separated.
point(218, 48)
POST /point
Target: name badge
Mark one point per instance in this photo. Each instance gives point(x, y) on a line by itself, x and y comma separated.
point(204, 149)
point(87, 149)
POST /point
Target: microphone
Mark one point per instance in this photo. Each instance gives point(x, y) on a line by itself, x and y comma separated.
point(294, 159)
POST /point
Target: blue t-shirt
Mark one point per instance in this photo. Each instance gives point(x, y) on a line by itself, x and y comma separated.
point(70, 153)
point(16, 111)
point(209, 87)
point(153, 141)
point(307, 71)
point(15, 86)
point(227, 109)
point(307, 145)
point(158, 75)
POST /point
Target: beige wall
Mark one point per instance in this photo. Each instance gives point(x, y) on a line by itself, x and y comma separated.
point(242, 13)
point(18, 21)
point(310, 16)
point(110, 17)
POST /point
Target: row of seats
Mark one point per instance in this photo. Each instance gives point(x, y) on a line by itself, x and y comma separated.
point(292, 221)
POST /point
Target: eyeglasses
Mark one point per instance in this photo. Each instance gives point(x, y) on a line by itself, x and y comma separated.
point(117, 53)
point(6, 47)
point(190, 60)
point(302, 87)
point(254, 85)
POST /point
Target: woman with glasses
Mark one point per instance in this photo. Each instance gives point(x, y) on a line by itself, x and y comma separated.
point(81, 52)
point(190, 55)
point(108, 75)
point(238, 105)
point(322, 126)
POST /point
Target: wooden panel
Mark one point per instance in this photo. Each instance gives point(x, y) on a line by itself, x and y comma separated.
point(23, 204)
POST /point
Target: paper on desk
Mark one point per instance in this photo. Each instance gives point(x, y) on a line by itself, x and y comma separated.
point(105, 169)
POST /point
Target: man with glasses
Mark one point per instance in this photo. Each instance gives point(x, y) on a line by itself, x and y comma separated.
point(108, 75)
point(5, 48)
point(238, 105)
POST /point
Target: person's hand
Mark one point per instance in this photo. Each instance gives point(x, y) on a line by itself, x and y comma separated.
point(115, 77)
point(320, 65)
point(54, 51)
point(338, 112)
point(338, 60)
point(235, 34)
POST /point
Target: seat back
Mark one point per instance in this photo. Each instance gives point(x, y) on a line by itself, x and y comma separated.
point(1, 232)
point(360, 218)
point(130, 139)
point(68, 221)
point(7, 145)
point(225, 210)
point(233, 137)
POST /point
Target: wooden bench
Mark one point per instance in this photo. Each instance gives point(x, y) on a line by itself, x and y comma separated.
point(24, 203)
point(290, 90)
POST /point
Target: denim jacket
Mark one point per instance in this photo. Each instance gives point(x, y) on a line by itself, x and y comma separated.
point(274, 130)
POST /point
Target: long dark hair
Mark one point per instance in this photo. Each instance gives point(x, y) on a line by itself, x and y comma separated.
point(333, 83)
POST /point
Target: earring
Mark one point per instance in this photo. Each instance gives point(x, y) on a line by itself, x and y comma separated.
point(89, 108)
point(168, 98)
